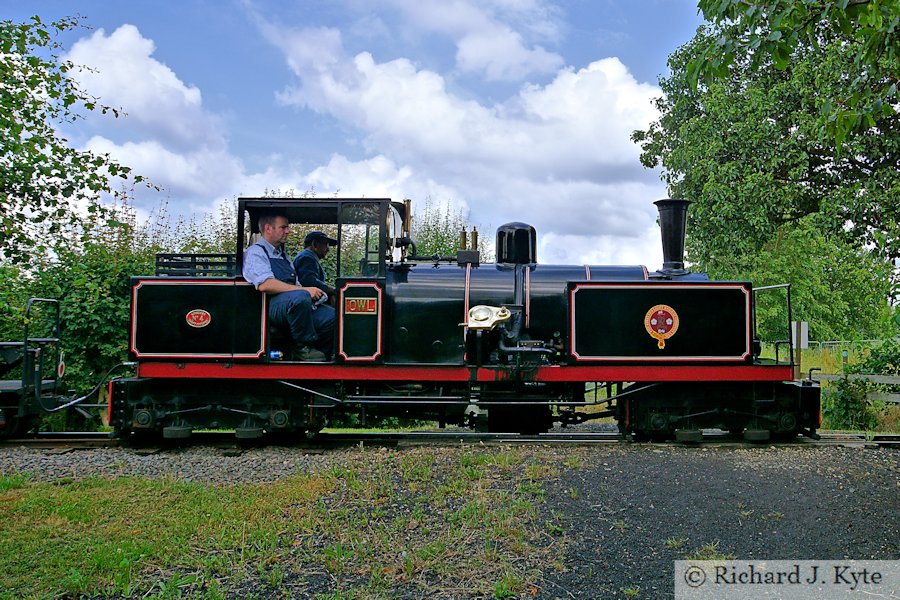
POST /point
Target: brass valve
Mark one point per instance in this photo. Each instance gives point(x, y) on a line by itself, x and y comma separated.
point(486, 317)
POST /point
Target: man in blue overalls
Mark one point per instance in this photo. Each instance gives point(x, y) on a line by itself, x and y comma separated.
point(269, 269)
point(309, 270)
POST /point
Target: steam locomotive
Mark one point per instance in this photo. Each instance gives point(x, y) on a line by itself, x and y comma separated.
point(510, 346)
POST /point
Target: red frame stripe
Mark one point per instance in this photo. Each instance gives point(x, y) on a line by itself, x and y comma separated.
point(459, 373)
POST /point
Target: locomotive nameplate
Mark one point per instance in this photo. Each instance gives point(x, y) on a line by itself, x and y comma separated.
point(360, 321)
point(361, 306)
point(611, 321)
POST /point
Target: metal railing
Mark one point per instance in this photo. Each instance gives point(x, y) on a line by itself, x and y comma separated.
point(196, 265)
point(778, 343)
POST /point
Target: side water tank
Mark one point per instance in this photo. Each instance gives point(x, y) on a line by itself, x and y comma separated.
point(516, 244)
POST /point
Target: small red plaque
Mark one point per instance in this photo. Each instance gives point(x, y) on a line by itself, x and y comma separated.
point(661, 323)
point(198, 318)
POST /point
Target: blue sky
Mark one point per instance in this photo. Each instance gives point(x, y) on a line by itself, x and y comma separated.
point(507, 109)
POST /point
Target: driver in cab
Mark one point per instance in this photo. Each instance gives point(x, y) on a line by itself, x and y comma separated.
point(291, 305)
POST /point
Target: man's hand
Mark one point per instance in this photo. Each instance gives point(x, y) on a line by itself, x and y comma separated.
point(314, 292)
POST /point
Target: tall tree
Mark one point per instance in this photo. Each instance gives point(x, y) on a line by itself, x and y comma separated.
point(436, 230)
point(773, 31)
point(42, 178)
point(748, 150)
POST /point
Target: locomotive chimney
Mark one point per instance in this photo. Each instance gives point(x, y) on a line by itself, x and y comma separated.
point(672, 221)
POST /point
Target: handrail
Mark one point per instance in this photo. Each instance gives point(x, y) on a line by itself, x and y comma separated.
point(29, 354)
point(790, 318)
point(772, 287)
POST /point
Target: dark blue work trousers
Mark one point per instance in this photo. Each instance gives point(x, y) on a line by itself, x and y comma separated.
point(308, 327)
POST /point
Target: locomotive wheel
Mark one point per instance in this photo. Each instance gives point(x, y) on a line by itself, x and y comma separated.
point(650, 436)
point(784, 436)
point(177, 432)
point(757, 435)
point(689, 436)
point(640, 436)
point(10, 427)
point(248, 433)
point(17, 426)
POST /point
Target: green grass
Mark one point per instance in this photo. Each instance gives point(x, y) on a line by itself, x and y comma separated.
point(709, 551)
point(111, 535)
point(377, 521)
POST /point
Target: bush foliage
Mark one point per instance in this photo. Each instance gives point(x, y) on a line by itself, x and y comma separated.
point(89, 269)
point(847, 403)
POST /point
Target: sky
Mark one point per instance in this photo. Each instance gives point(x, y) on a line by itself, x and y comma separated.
point(509, 110)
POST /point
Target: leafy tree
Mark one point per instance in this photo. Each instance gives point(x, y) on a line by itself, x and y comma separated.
point(765, 180)
point(43, 179)
point(840, 290)
point(774, 31)
point(436, 231)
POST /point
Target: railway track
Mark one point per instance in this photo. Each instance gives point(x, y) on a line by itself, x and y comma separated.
point(325, 441)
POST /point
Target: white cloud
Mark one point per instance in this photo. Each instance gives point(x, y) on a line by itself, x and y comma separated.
point(501, 56)
point(557, 155)
point(645, 249)
point(377, 177)
point(197, 174)
point(493, 37)
point(166, 135)
point(124, 74)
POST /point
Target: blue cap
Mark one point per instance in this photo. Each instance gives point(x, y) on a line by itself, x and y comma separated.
point(318, 235)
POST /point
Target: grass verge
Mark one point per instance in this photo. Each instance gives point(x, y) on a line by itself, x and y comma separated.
point(431, 522)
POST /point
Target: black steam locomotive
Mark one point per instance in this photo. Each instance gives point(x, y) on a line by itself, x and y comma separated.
point(513, 346)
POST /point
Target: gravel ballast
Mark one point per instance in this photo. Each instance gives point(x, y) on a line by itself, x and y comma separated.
point(617, 515)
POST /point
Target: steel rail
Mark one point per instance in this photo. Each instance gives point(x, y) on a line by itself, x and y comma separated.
point(85, 439)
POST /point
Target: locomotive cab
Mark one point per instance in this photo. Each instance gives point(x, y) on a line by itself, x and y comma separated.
point(198, 307)
point(369, 234)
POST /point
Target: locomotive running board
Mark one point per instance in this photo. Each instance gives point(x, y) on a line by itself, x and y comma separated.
point(547, 374)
